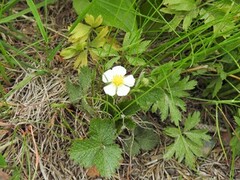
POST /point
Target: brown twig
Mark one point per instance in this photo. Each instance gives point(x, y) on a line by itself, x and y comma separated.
point(35, 147)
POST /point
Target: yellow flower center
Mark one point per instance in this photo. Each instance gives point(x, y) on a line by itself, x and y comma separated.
point(117, 80)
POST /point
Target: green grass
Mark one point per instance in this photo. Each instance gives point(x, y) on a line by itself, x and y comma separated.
point(32, 60)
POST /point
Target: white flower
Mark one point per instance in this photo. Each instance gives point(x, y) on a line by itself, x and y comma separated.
point(118, 83)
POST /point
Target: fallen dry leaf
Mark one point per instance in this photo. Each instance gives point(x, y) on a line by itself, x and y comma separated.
point(93, 172)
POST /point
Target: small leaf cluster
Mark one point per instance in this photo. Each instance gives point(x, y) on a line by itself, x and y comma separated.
point(164, 92)
point(84, 39)
point(99, 149)
point(79, 91)
point(187, 142)
point(130, 51)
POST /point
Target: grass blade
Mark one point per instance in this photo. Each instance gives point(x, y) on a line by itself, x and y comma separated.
point(38, 19)
point(25, 11)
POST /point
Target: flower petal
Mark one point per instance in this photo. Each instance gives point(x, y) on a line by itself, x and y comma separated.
point(107, 76)
point(129, 81)
point(123, 90)
point(110, 89)
point(119, 70)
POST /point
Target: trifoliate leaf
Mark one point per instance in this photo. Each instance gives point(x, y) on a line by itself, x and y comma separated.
point(99, 149)
point(188, 142)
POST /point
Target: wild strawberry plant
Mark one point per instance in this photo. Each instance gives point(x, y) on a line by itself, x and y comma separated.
point(131, 73)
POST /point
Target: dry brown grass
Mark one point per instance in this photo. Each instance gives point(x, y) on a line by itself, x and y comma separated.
point(35, 136)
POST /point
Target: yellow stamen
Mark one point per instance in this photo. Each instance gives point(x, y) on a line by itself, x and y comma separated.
point(117, 80)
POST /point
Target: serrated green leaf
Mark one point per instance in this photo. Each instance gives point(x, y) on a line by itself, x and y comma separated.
point(194, 148)
point(119, 14)
point(146, 138)
point(78, 91)
point(99, 149)
point(189, 143)
point(170, 151)
point(102, 131)
point(175, 114)
point(181, 148)
point(192, 121)
point(190, 159)
point(194, 137)
point(85, 79)
point(84, 151)
point(172, 132)
point(74, 92)
point(108, 159)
